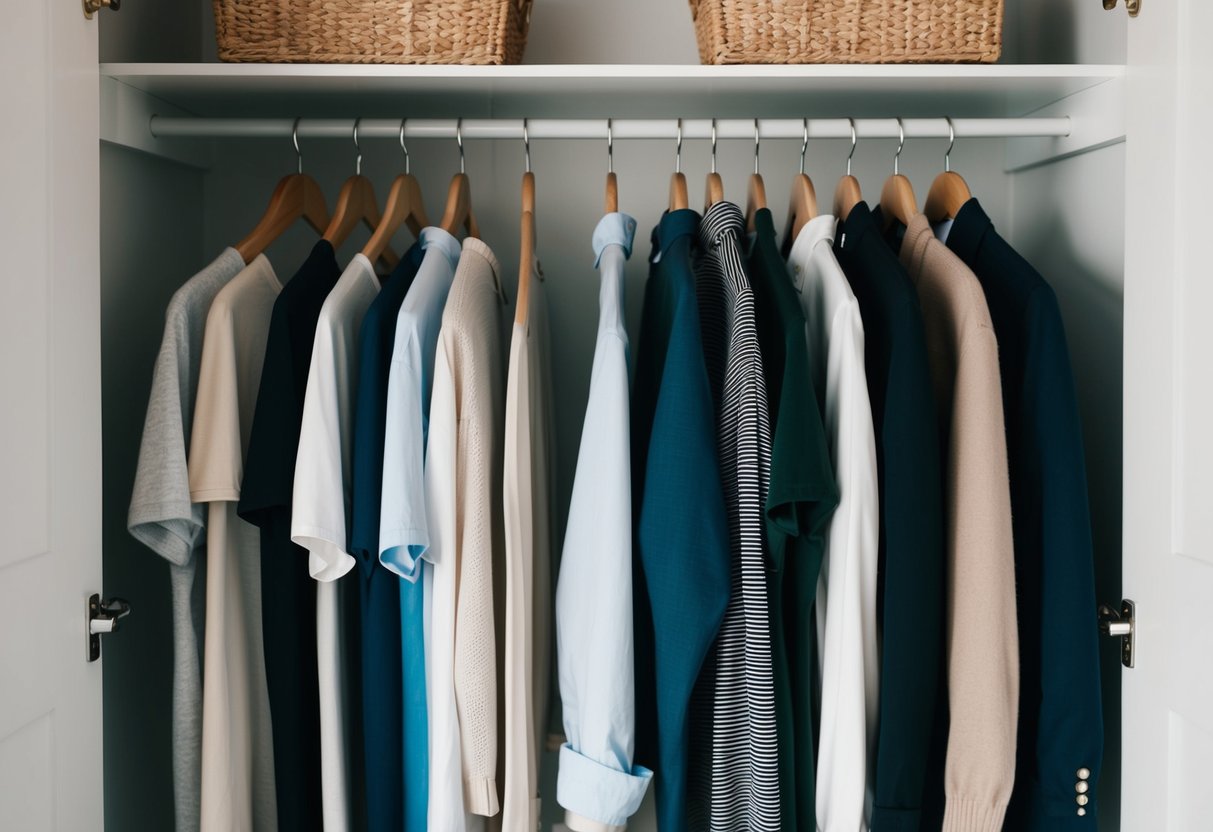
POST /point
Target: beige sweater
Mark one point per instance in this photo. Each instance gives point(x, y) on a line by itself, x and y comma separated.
point(982, 638)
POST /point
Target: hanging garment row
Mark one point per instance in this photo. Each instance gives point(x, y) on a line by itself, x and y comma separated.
point(827, 562)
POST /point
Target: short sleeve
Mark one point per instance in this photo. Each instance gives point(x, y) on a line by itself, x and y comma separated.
point(403, 529)
point(318, 504)
point(161, 515)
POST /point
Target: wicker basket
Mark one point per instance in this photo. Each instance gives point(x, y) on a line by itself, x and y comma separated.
point(847, 31)
point(372, 31)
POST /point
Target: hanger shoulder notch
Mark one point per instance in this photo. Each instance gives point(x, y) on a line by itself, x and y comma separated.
point(949, 192)
point(296, 196)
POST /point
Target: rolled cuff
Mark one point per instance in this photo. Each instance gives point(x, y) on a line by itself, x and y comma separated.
point(972, 816)
point(597, 797)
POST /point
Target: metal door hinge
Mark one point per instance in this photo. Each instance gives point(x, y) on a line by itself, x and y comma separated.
point(1132, 6)
point(103, 618)
point(1121, 624)
point(91, 7)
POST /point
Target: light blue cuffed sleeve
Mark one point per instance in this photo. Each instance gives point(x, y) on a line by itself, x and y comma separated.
point(598, 797)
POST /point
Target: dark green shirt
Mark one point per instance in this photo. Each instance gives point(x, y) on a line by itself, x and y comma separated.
point(800, 501)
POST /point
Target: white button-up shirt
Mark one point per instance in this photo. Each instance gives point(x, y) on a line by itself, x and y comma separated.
point(846, 597)
point(597, 784)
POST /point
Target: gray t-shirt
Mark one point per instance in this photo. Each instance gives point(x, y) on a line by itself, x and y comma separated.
point(163, 518)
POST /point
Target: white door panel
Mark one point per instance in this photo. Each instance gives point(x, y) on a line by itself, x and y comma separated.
point(1168, 474)
point(50, 446)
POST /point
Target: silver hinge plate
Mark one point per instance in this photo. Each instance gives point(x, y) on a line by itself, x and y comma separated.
point(1122, 624)
point(102, 617)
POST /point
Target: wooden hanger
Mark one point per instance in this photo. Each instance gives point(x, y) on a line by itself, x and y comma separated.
point(678, 183)
point(949, 192)
point(756, 195)
point(714, 192)
point(403, 207)
point(297, 196)
point(802, 206)
point(526, 255)
point(612, 185)
point(356, 204)
point(459, 197)
point(897, 202)
point(847, 195)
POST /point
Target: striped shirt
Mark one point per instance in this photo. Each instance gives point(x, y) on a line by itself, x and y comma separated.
point(743, 779)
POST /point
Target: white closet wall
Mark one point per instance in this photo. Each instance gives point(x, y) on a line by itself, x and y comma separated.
point(165, 220)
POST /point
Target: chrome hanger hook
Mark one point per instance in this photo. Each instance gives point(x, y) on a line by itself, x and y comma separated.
point(947, 154)
point(295, 141)
point(713, 145)
point(357, 149)
point(901, 142)
point(403, 147)
point(804, 143)
point(756, 146)
point(526, 144)
point(459, 141)
point(610, 149)
point(854, 142)
point(678, 150)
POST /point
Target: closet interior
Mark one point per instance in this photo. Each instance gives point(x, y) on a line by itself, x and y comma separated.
point(192, 149)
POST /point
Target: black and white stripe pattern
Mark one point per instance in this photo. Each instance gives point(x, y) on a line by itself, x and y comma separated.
point(743, 781)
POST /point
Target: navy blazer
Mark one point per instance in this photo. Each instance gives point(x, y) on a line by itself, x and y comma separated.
point(910, 600)
point(1060, 713)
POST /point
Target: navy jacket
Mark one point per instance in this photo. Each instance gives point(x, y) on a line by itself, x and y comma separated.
point(1060, 714)
point(910, 593)
point(682, 547)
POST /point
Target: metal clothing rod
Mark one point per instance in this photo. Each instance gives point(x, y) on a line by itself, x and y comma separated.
point(559, 128)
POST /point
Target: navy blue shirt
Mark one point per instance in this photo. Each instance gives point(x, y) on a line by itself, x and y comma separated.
point(682, 548)
point(1060, 711)
point(910, 589)
point(382, 674)
point(288, 593)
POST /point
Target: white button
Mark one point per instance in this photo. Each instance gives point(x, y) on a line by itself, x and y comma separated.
point(1084, 773)
point(1081, 786)
point(1082, 800)
point(1081, 811)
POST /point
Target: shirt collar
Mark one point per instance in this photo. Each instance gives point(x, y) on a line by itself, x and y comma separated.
point(614, 229)
point(673, 226)
point(859, 223)
point(719, 220)
point(817, 230)
point(968, 230)
point(441, 240)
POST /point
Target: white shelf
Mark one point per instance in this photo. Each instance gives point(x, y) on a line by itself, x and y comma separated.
point(586, 90)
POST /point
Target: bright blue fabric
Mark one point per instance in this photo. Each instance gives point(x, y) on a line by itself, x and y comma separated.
point(403, 533)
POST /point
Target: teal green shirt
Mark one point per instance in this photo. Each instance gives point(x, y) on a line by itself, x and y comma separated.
point(801, 499)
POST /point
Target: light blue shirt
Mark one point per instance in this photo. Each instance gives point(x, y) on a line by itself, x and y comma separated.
point(598, 784)
point(403, 532)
